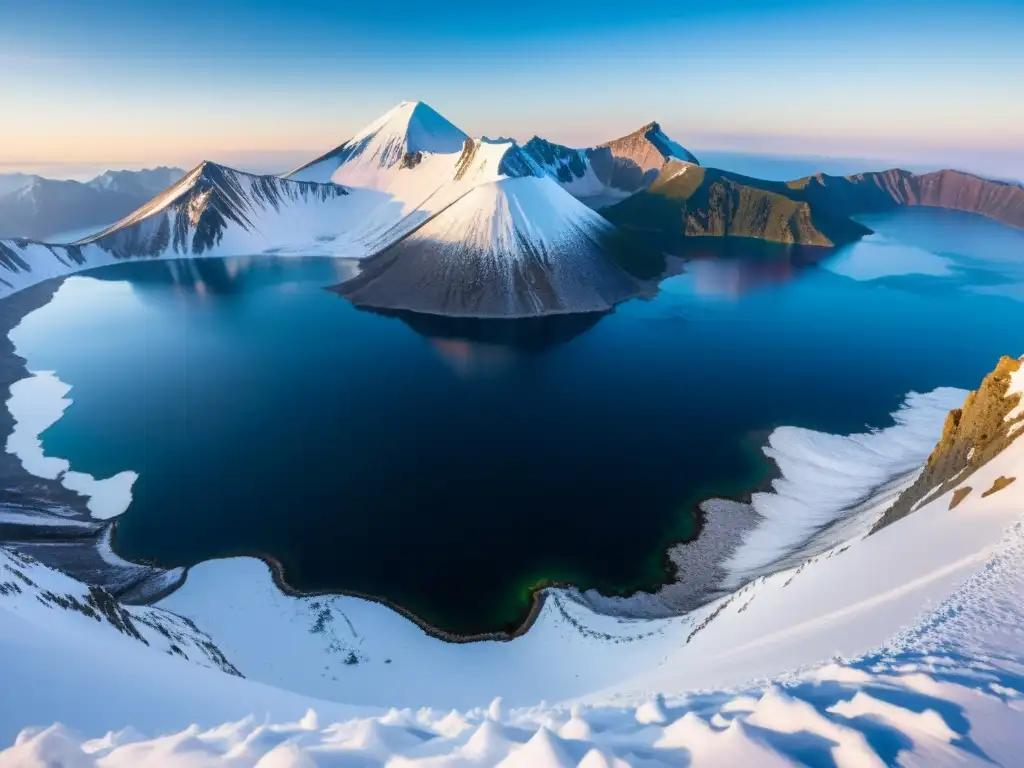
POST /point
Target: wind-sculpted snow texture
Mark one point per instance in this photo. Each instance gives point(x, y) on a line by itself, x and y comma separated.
point(419, 162)
point(830, 488)
point(517, 247)
point(924, 612)
point(946, 692)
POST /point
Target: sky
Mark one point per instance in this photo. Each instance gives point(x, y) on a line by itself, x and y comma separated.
point(122, 82)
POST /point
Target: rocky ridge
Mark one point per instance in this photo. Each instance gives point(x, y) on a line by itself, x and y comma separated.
point(990, 419)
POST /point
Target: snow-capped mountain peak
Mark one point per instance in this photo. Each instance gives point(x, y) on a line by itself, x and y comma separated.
point(411, 126)
point(397, 139)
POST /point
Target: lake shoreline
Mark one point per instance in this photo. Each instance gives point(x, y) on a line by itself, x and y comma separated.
point(538, 595)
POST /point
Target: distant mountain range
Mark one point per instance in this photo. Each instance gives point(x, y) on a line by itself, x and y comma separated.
point(687, 201)
point(38, 208)
point(451, 225)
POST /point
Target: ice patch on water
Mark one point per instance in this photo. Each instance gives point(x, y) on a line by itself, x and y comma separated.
point(878, 256)
point(826, 476)
point(37, 403)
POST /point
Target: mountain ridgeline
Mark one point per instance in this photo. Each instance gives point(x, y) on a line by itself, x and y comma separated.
point(990, 419)
point(690, 201)
point(411, 184)
point(612, 170)
point(192, 217)
point(32, 207)
point(687, 201)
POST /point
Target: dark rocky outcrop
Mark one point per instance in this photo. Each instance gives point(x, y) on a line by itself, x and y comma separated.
point(971, 437)
point(885, 190)
point(690, 201)
point(686, 202)
point(192, 216)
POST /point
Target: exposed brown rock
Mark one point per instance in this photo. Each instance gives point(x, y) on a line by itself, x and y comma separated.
point(959, 495)
point(997, 485)
point(691, 201)
point(883, 190)
point(971, 437)
point(643, 148)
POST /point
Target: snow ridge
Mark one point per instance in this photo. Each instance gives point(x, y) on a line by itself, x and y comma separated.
point(217, 211)
point(946, 691)
point(831, 488)
point(30, 591)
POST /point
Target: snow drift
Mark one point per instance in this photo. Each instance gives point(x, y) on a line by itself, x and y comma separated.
point(510, 248)
point(923, 612)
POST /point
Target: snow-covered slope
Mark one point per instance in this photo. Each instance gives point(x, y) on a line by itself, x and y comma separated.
point(898, 648)
point(43, 209)
point(396, 175)
point(509, 248)
point(614, 170)
point(418, 161)
point(391, 141)
point(217, 211)
point(33, 593)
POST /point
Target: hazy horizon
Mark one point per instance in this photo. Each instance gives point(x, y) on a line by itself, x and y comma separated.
point(775, 165)
point(125, 83)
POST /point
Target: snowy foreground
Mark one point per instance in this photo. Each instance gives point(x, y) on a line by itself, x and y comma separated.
point(902, 647)
point(949, 691)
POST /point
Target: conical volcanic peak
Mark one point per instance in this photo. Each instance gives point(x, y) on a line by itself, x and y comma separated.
point(417, 127)
point(398, 138)
point(517, 247)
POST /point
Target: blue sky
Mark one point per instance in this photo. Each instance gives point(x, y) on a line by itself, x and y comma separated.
point(152, 81)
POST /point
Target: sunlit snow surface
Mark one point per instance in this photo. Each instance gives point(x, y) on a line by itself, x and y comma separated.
point(36, 403)
point(947, 692)
point(899, 647)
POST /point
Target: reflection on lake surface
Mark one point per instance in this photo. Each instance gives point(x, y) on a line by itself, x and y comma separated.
point(266, 415)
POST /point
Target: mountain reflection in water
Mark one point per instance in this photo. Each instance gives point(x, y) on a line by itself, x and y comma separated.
point(473, 346)
point(729, 269)
point(201, 277)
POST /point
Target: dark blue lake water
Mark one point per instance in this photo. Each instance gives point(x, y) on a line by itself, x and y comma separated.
point(448, 467)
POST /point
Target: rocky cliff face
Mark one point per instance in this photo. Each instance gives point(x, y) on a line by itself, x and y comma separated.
point(618, 167)
point(973, 435)
point(649, 148)
point(687, 201)
point(691, 201)
point(885, 190)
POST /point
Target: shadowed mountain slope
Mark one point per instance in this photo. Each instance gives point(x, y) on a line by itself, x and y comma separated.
point(612, 170)
point(512, 248)
point(690, 201)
